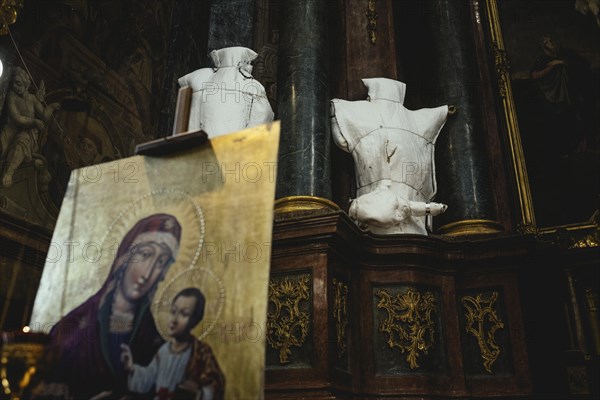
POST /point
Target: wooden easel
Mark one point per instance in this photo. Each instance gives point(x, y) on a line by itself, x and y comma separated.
point(181, 138)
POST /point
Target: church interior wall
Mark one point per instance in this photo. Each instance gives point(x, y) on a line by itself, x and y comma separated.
point(112, 67)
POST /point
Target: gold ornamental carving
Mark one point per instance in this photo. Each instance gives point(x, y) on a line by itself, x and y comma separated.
point(587, 241)
point(408, 325)
point(340, 314)
point(502, 68)
point(572, 237)
point(287, 326)
point(483, 322)
point(372, 21)
point(527, 229)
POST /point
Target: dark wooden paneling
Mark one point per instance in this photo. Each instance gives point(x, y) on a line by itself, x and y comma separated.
point(331, 247)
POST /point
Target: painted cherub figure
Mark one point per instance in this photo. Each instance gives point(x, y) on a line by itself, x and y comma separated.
point(184, 366)
point(24, 132)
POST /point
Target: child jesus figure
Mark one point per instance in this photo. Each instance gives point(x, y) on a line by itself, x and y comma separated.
point(184, 367)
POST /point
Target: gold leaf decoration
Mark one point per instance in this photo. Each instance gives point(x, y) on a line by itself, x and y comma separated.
point(502, 67)
point(372, 21)
point(340, 314)
point(409, 325)
point(287, 326)
point(480, 314)
point(588, 241)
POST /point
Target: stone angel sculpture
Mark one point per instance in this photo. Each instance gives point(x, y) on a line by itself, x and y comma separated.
point(25, 128)
point(227, 98)
point(393, 151)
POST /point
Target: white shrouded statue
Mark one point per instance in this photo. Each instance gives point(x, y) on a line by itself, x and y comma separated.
point(393, 150)
point(227, 98)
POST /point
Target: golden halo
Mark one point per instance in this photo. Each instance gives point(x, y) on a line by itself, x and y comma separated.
point(204, 279)
point(169, 201)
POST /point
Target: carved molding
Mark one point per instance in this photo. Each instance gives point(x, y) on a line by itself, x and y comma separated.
point(287, 326)
point(340, 314)
point(480, 315)
point(408, 325)
point(517, 156)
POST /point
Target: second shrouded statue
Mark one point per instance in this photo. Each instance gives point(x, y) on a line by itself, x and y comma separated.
point(393, 151)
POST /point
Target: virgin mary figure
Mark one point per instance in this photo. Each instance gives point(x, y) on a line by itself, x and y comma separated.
point(84, 356)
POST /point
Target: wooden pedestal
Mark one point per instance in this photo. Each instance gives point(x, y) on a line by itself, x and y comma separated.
point(353, 315)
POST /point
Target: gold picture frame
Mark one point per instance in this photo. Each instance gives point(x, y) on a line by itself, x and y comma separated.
point(575, 234)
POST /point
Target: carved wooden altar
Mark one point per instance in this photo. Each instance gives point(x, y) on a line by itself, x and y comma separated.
point(353, 315)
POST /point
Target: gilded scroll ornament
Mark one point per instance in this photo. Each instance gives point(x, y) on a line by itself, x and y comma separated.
point(409, 325)
point(340, 314)
point(579, 237)
point(287, 326)
point(590, 240)
point(483, 322)
point(372, 21)
point(502, 67)
point(527, 229)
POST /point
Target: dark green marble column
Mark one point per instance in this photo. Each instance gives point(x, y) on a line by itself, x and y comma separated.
point(231, 24)
point(463, 169)
point(186, 52)
point(303, 103)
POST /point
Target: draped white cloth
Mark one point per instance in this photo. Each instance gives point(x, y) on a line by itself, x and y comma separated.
point(393, 150)
point(227, 98)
